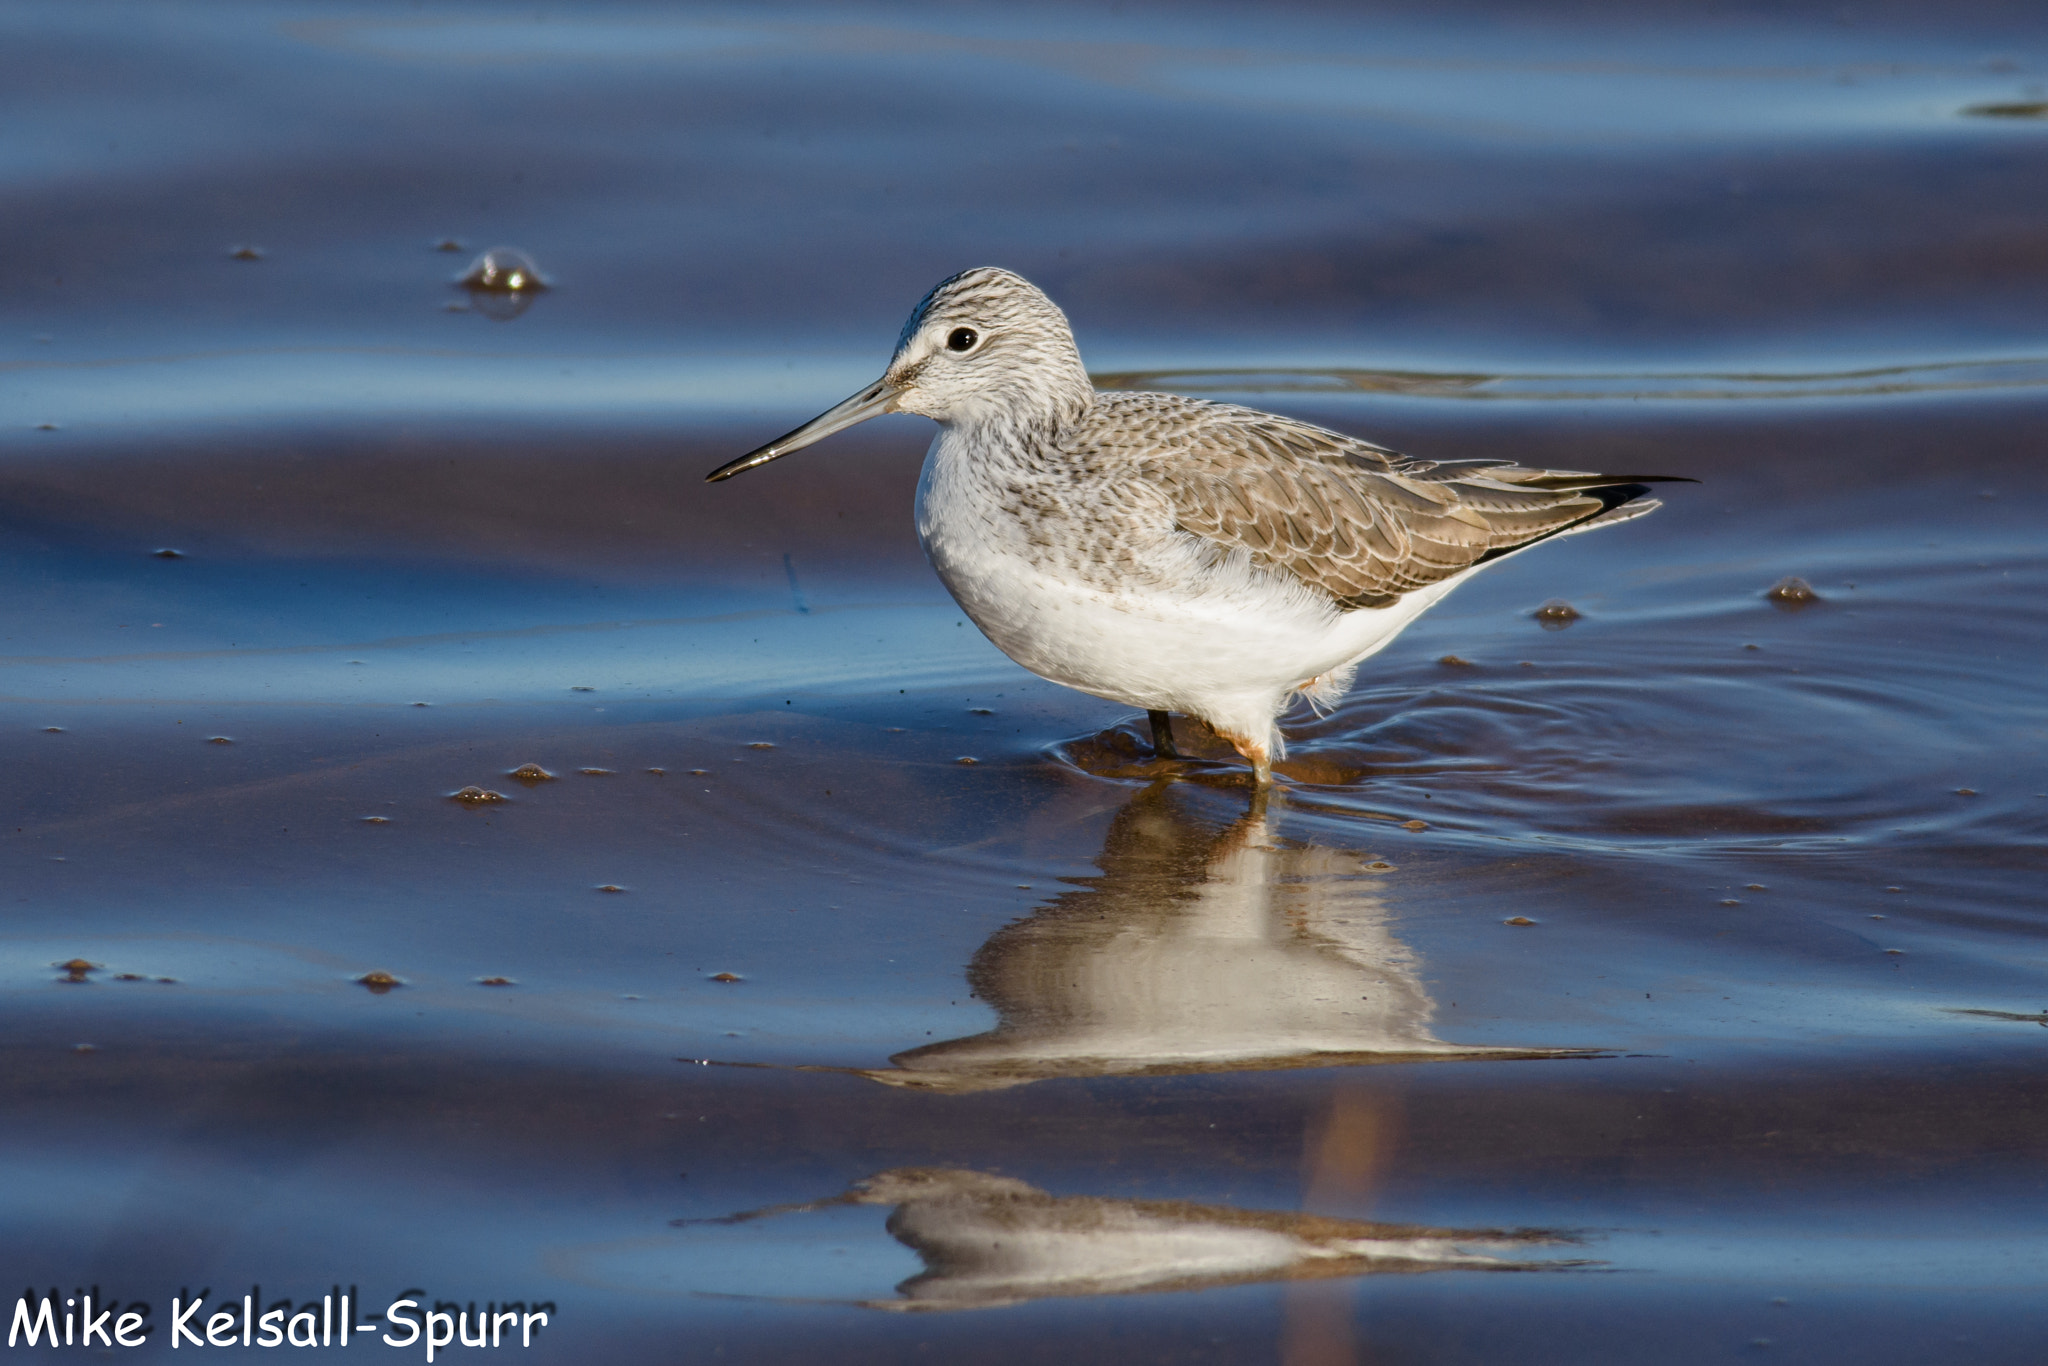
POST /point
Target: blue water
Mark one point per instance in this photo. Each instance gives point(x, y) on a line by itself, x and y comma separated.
point(1768, 1049)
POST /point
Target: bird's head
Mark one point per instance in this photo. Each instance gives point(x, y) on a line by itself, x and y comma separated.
point(984, 347)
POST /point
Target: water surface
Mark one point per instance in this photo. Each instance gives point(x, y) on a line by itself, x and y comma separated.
point(1668, 986)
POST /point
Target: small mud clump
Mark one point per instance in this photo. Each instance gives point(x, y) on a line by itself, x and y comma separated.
point(1791, 593)
point(476, 796)
point(76, 970)
point(379, 981)
point(220, 740)
point(1518, 920)
point(167, 553)
point(1415, 825)
point(967, 759)
point(246, 253)
point(531, 773)
point(610, 887)
point(1555, 615)
point(496, 982)
point(725, 977)
point(1455, 662)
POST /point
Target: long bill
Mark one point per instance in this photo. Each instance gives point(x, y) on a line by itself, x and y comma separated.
point(873, 401)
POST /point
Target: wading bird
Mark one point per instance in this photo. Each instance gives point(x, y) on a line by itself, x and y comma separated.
point(1171, 553)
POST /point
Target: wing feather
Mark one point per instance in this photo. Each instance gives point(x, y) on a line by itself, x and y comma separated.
point(1354, 520)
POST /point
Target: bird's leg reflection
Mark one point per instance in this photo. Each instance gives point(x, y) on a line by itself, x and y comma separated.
point(988, 1240)
point(1162, 734)
point(1204, 945)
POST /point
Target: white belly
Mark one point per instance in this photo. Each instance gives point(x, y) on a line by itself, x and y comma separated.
point(1226, 642)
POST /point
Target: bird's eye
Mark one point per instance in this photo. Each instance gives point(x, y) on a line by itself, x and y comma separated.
point(963, 339)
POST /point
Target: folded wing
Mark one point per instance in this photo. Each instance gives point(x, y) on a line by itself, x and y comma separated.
point(1361, 523)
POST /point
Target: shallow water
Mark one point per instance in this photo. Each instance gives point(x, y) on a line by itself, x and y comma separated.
point(1116, 1058)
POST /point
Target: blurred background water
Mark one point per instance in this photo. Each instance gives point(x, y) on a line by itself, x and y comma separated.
point(1127, 1068)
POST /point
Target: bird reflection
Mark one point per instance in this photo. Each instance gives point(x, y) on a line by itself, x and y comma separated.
point(988, 1240)
point(1201, 947)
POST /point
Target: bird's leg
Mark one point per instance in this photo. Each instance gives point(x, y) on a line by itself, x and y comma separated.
point(1257, 753)
point(1162, 735)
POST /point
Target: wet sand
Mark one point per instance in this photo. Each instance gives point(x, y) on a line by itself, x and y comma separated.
point(1660, 982)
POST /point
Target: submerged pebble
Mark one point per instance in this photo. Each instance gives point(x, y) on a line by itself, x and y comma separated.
point(1456, 661)
point(245, 252)
point(376, 820)
point(53, 730)
point(77, 968)
point(967, 759)
point(495, 982)
point(448, 244)
point(725, 977)
point(981, 711)
point(1415, 825)
point(1792, 593)
point(48, 427)
point(167, 553)
point(379, 981)
point(1555, 614)
point(610, 887)
point(220, 740)
point(476, 796)
point(762, 744)
point(531, 773)
point(130, 977)
point(595, 772)
point(1518, 920)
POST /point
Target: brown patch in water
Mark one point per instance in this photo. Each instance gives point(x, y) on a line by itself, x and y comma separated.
point(129, 977)
point(1456, 662)
point(1791, 593)
point(725, 977)
point(166, 553)
point(967, 759)
point(595, 772)
point(1555, 615)
point(658, 772)
point(379, 981)
point(1518, 920)
point(496, 982)
point(76, 970)
point(1415, 825)
point(762, 744)
point(376, 820)
point(246, 253)
point(220, 740)
point(610, 887)
point(53, 730)
point(981, 711)
point(2016, 109)
point(476, 796)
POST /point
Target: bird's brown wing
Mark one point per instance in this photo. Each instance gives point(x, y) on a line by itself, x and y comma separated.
point(1359, 522)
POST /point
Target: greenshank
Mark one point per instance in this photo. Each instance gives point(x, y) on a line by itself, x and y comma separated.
point(1175, 554)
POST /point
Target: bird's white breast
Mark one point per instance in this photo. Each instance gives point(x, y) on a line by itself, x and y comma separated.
point(1176, 626)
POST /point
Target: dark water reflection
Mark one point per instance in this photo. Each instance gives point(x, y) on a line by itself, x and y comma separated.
point(1771, 1032)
